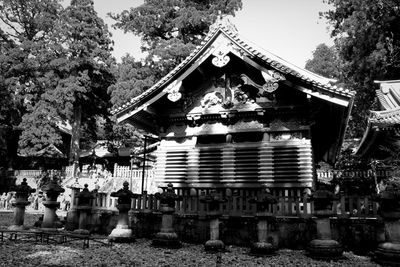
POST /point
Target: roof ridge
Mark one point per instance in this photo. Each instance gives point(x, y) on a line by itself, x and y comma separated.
point(275, 61)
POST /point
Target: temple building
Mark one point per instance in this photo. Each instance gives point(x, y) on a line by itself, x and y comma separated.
point(382, 137)
point(232, 115)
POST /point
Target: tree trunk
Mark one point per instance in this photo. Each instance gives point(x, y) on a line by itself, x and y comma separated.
point(76, 136)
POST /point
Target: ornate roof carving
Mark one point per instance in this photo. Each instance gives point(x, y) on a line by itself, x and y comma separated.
point(238, 45)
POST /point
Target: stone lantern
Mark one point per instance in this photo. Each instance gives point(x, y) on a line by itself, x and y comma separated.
point(388, 252)
point(324, 247)
point(84, 207)
point(52, 190)
point(214, 200)
point(264, 215)
point(21, 201)
point(122, 232)
point(167, 236)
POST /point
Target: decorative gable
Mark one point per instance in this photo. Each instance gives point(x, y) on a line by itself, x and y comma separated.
point(227, 91)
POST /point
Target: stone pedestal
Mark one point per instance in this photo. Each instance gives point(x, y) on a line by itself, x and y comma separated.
point(388, 253)
point(49, 216)
point(324, 247)
point(22, 192)
point(122, 233)
point(52, 190)
point(262, 247)
point(214, 243)
point(214, 200)
point(84, 217)
point(84, 209)
point(167, 237)
point(19, 215)
point(72, 214)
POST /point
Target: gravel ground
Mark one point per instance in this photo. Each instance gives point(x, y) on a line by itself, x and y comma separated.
point(141, 253)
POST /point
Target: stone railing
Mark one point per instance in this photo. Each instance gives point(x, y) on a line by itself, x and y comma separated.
point(126, 172)
point(27, 173)
point(328, 175)
point(239, 205)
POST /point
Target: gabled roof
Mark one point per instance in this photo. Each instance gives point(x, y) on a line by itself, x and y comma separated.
point(321, 87)
point(385, 118)
point(50, 151)
point(388, 96)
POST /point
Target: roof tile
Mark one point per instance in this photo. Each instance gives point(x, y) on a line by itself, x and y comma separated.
point(271, 59)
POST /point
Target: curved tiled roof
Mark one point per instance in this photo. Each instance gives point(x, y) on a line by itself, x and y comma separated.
point(274, 61)
point(385, 117)
point(389, 95)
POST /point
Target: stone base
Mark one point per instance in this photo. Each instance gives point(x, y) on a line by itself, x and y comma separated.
point(81, 232)
point(48, 229)
point(325, 249)
point(388, 254)
point(214, 245)
point(262, 249)
point(17, 227)
point(120, 235)
point(166, 240)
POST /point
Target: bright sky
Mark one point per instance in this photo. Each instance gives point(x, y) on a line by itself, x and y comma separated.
point(290, 29)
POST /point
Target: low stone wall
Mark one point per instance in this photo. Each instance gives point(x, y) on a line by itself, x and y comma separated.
point(358, 235)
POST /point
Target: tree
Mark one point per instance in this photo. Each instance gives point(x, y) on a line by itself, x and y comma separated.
point(324, 62)
point(84, 73)
point(170, 30)
point(367, 36)
point(26, 30)
point(60, 67)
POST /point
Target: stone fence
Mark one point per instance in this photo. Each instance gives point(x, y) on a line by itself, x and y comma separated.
point(355, 221)
point(239, 206)
point(126, 172)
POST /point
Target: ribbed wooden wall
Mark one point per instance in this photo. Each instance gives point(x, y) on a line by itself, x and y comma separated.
point(286, 164)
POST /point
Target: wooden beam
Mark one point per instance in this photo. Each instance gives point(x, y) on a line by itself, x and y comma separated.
point(335, 100)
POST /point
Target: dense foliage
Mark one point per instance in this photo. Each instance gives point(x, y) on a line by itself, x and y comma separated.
point(325, 62)
point(170, 30)
point(56, 68)
point(367, 36)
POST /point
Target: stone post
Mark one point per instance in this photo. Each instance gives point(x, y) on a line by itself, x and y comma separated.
point(72, 215)
point(84, 208)
point(122, 232)
point(52, 190)
point(21, 201)
point(323, 247)
point(264, 215)
point(388, 252)
point(214, 199)
point(167, 237)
